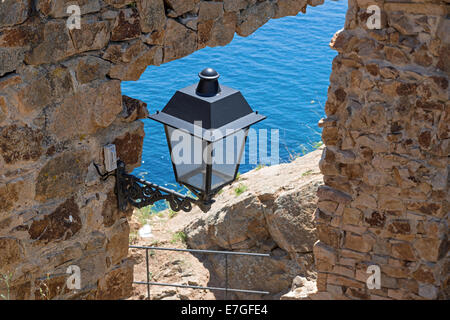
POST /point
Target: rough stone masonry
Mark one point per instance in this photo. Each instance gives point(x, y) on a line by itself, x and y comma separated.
point(386, 196)
point(61, 102)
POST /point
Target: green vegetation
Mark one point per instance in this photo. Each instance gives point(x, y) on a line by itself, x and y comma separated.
point(144, 214)
point(179, 236)
point(240, 189)
point(44, 289)
point(160, 214)
point(6, 278)
point(307, 173)
point(133, 236)
point(317, 145)
point(260, 166)
point(172, 213)
point(304, 150)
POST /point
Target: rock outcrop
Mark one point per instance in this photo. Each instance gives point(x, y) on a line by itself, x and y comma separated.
point(273, 215)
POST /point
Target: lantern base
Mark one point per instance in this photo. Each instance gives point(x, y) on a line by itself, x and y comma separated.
point(140, 193)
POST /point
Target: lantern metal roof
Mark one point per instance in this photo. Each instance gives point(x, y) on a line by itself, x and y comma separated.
point(222, 110)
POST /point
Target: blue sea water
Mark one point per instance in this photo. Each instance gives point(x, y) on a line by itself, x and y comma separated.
point(282, 70)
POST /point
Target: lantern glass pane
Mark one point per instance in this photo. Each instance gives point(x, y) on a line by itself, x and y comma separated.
point(227, 155)
point(187, 157)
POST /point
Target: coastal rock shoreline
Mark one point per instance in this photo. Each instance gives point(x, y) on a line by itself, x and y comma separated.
point(275, 215)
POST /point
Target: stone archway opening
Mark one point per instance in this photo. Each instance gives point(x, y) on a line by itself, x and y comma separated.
point(296, 95)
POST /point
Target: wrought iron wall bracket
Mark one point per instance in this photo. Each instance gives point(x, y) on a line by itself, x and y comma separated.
point(140, 193)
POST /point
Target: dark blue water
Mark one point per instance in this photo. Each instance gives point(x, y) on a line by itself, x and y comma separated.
point(282, 70)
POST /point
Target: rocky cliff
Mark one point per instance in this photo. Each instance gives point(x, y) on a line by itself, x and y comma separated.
point(268, 210)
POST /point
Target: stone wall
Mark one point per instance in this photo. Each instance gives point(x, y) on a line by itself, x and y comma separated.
point(386, 196)
point(61, 102)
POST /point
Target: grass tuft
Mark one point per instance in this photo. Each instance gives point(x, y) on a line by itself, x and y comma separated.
point(6, 278)
point(307, 173)
point(260, 166)
point(144, 214)
point(179, 237)
point(133, 236)
point(240, 189)
point(172, 213)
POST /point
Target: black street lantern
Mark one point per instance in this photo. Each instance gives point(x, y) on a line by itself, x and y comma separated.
point(206, 126)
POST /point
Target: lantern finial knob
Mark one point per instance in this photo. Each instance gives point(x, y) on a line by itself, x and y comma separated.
point(209, 74)
point(209, 83)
